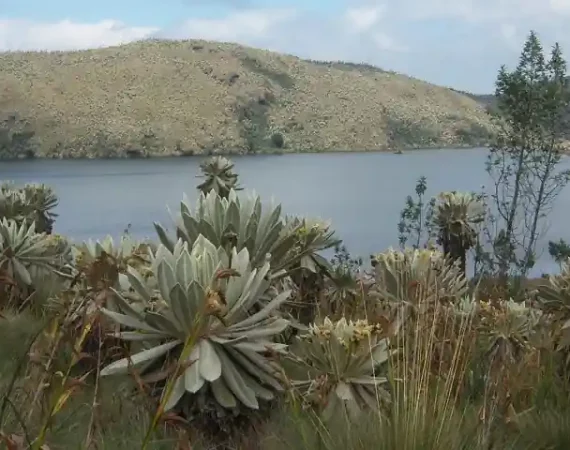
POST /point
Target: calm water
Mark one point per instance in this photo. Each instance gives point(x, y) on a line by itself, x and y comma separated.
point(361, 193)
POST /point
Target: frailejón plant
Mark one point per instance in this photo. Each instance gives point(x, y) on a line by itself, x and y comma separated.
point(345, 366)
point(416, 276)
point(219, 176)
point(455, 217)
point(203, 305)
point(26, 255)
point(244, 222)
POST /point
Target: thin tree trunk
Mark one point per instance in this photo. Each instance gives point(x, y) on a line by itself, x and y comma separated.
point(504, 265)
point(539, 204)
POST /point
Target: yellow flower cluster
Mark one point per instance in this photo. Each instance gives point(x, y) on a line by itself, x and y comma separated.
point(344, 331)
point(417, 258)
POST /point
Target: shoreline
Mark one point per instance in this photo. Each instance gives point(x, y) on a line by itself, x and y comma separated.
point(230, 154)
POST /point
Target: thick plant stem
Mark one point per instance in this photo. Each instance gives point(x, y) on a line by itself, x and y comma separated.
point(186, 351)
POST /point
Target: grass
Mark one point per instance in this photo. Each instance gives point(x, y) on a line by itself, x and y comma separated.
point(195, 97)
point(443, 398)
point(121, 416)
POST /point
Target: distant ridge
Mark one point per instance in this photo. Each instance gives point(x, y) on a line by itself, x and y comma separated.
point(159, 97)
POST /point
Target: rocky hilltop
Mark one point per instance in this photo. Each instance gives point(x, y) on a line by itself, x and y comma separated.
point(154, 98)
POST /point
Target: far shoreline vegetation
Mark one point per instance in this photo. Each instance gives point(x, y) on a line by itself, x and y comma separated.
point(231, 331)
point(235, 154)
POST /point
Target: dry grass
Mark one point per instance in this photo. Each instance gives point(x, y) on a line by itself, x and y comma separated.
point(442, 398)
point(110, 413)
point(176, 97)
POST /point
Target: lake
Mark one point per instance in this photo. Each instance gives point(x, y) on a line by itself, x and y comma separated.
point(361, 193)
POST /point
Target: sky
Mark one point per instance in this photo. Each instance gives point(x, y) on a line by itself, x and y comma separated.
point(456, 43)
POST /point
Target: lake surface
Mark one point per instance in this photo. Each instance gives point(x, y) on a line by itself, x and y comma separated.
point(361, 193)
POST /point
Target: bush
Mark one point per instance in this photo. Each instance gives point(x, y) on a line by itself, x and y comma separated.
point(278, 140)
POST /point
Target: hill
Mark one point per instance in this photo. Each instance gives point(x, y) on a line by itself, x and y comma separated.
point(489, 101)
point(195, 97)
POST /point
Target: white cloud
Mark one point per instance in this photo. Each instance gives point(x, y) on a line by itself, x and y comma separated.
point(509, 33)
point(236, 26)
point(484, 11)
point(385, 42)
point(463, 48)
point(363, 18)
point(67, 35)
point(560, 6)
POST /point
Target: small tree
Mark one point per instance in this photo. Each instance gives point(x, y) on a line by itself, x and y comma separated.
point(416, 218)
point(532, 102)
point(560, 251)
point(277, 140)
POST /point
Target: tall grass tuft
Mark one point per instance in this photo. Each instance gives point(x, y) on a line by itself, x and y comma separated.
point(433, 350)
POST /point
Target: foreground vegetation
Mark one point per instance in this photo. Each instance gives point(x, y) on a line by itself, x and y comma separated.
point(233, 332)
point(157, 98)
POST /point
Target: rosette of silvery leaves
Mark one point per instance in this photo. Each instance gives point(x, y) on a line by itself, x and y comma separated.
point(125, 252)
point(27, 257)
point(313, 235)
point(466, 307)
point(104, 263)
point(247, 222)
point(30, 203)
point(456, 214)
point(416, 277)
point(344, 366)
point(554, 298)
point(204, 300)
point(509, 326)
point(99, 266)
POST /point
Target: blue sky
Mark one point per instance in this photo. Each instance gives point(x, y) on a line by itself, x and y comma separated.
point(458, 43)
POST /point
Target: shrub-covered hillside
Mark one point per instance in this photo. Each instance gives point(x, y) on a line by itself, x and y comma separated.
point(193, 97)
